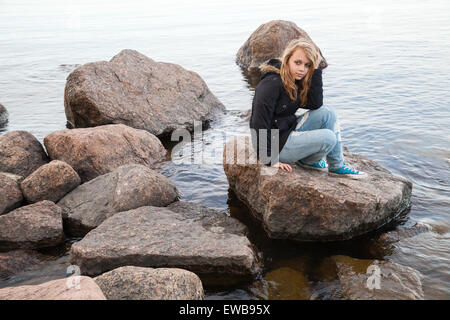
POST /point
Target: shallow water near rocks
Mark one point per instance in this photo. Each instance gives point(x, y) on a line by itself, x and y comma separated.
point(388, 79)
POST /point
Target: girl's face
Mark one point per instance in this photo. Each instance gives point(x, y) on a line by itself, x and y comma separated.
point(299, 64)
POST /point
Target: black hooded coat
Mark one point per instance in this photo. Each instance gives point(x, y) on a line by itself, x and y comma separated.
point(272, 108)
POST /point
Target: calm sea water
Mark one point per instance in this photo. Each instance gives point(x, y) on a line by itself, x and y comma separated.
point(388, 78)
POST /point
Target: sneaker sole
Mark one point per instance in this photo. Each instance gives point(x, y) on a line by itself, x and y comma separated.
point(311, 168)
point(349, 176)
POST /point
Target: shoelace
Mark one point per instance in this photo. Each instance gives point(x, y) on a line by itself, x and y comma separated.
point(348, 169)
point(322, 164)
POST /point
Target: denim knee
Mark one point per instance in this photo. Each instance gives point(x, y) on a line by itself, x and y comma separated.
point(332, 113)
point(329, 139)
point(329, 114)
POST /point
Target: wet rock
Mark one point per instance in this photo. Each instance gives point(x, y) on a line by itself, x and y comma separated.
point(134, 90)
point(385, 243)
point(127, 187)
point(286, 280)
point(21, 153)
point(358, 279)
point(96, 151)
point(137, 283)
point(286, 283)
point(441, 227)
point(269, 41)
point(50, 182)
point(402, 232)
point(3, 115)
point(159, 237)
point(34, 226)
point(10, 194)
point(308, 205)
point(85, 289)
point(51, 268)
point(16, 261)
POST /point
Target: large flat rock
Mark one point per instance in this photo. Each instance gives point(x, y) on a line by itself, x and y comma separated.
point(95, 151)
point(308, 205)
point(139, 92)
point(125, 188)
point(159, 237)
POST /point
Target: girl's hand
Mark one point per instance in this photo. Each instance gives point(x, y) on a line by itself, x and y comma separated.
point(318, 59)
point(283, 166)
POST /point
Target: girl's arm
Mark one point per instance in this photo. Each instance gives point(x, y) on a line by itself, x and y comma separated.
point(315, 93)
point(264, 102)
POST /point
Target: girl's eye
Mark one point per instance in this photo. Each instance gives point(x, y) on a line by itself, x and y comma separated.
point(307, 65)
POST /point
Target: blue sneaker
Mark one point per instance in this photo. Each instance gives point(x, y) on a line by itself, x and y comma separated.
point(347, 171)
point(320, 166)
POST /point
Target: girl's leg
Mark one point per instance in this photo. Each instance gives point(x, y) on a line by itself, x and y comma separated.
point(313, 145)
point(324, 118)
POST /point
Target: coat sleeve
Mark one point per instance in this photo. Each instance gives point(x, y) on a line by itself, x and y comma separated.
point(263, 110)
point(315, 93)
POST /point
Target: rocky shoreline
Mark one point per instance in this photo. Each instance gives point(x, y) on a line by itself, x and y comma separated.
point(97, 181)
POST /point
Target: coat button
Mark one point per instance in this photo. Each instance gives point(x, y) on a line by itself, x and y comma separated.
point(284, 106)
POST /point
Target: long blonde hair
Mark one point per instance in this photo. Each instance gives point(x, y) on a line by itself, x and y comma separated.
point(286, 77)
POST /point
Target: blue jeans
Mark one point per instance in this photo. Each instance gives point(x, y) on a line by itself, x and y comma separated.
point(318, 137)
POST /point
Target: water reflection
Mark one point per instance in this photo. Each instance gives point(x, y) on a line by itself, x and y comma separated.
point(252, 78)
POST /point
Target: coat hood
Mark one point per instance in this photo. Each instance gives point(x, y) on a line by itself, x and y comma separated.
point(271, 66)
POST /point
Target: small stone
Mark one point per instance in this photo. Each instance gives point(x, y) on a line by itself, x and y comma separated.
point(10, 194)
point(137, 283)
point(50, 182)
point(86, 289)
point(30, 227)
point(21, 153)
